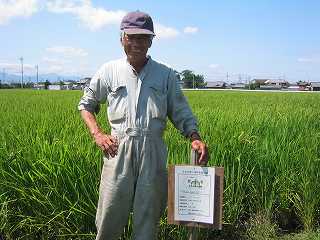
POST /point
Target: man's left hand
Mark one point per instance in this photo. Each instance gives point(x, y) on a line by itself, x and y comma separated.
point(201, 148)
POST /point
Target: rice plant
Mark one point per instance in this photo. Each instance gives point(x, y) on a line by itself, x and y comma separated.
point(268, 143)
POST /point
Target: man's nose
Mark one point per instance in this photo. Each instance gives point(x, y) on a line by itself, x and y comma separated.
point(137, 43)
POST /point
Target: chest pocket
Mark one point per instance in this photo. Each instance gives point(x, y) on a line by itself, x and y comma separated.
point(117, 99)
point(157, 102)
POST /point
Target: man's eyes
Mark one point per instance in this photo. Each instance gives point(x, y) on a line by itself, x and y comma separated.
point(138, 38)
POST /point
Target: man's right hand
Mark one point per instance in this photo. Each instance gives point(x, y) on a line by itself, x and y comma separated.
point(107, 143)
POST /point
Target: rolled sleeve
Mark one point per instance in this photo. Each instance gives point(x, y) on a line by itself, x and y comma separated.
point(179, 111)
point(89, 102)
point(96, 93)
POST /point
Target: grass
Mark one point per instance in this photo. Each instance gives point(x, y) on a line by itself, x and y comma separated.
point(268, 143)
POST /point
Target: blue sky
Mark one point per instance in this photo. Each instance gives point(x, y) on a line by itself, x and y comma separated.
point(241, 39)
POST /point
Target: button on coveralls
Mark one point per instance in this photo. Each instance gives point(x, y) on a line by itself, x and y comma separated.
point(136, 178)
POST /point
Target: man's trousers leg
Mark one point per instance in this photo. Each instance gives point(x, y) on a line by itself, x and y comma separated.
point(116, 194)
point(150, 198)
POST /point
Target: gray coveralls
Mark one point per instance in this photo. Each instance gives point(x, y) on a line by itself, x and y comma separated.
point(136, 179)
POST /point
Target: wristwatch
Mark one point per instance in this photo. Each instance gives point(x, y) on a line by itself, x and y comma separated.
point(194, 136)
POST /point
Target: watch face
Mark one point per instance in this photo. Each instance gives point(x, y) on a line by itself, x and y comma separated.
point(195, 136)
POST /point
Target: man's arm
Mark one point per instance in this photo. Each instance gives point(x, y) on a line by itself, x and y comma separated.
point(107, 143)
point(181, 116)
point(89, 105)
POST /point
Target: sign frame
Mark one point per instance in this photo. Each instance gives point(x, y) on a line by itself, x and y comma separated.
point(218, 200)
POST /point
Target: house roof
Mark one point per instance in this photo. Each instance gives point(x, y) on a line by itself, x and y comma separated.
point(258, 80)
point(315, 84)
point(303, 83)
point(270, 81)
point(216, 84)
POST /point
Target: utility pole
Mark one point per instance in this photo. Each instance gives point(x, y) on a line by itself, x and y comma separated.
point(21, 60)
point(37, 68)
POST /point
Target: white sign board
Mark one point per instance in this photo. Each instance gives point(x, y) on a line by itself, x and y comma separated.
point(194, 194)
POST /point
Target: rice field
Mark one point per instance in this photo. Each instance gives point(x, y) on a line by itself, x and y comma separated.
point(268, 143)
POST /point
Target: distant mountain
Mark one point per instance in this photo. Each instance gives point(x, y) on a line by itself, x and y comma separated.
point(51, 77)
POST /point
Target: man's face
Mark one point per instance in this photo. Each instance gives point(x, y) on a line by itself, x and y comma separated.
point(136, 46)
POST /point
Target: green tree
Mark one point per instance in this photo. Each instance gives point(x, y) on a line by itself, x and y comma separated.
point(253, 85)
point(46, 84)
point(192, 80)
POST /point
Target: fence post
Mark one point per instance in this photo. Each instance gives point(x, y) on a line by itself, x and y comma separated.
point(193, 161)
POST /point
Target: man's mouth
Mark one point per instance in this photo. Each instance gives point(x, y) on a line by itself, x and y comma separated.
point(136, 53)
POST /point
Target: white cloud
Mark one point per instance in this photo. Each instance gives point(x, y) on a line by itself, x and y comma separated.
point(17, 8)
point(55, 60)
point(15, 66)
point(54, 69)
point(305, 60)
point(67, 51)
point(10, 65)
point(165, 32)
point(92, 17)
point(64, 60)
point(214, 66)
point(96, 18)
point(67, 69)
point(191, 30)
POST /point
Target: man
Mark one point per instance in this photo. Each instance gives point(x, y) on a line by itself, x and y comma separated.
point(141, 94)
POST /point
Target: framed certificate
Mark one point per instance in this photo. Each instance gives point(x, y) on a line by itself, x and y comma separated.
point(195, 196)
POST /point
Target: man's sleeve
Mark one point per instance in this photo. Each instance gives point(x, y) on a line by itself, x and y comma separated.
point(96, 93)
point(179, 111)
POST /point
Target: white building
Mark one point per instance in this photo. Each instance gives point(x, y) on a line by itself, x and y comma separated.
point(54, 87)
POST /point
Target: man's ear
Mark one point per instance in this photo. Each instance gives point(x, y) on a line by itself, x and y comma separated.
point(150, 43)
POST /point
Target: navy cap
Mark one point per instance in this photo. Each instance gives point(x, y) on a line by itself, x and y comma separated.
point(137, 23)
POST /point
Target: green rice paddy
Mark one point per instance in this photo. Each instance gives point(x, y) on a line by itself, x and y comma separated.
point(268, 144)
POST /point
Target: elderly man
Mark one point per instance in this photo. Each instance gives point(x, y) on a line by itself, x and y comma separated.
point(141, 93)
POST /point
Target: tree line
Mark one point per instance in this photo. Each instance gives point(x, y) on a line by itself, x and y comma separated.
point(191, 80)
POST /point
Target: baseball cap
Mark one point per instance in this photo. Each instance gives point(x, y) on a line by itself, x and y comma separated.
point(137, 23)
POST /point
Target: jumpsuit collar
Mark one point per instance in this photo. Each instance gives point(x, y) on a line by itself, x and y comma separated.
point(143, 71)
